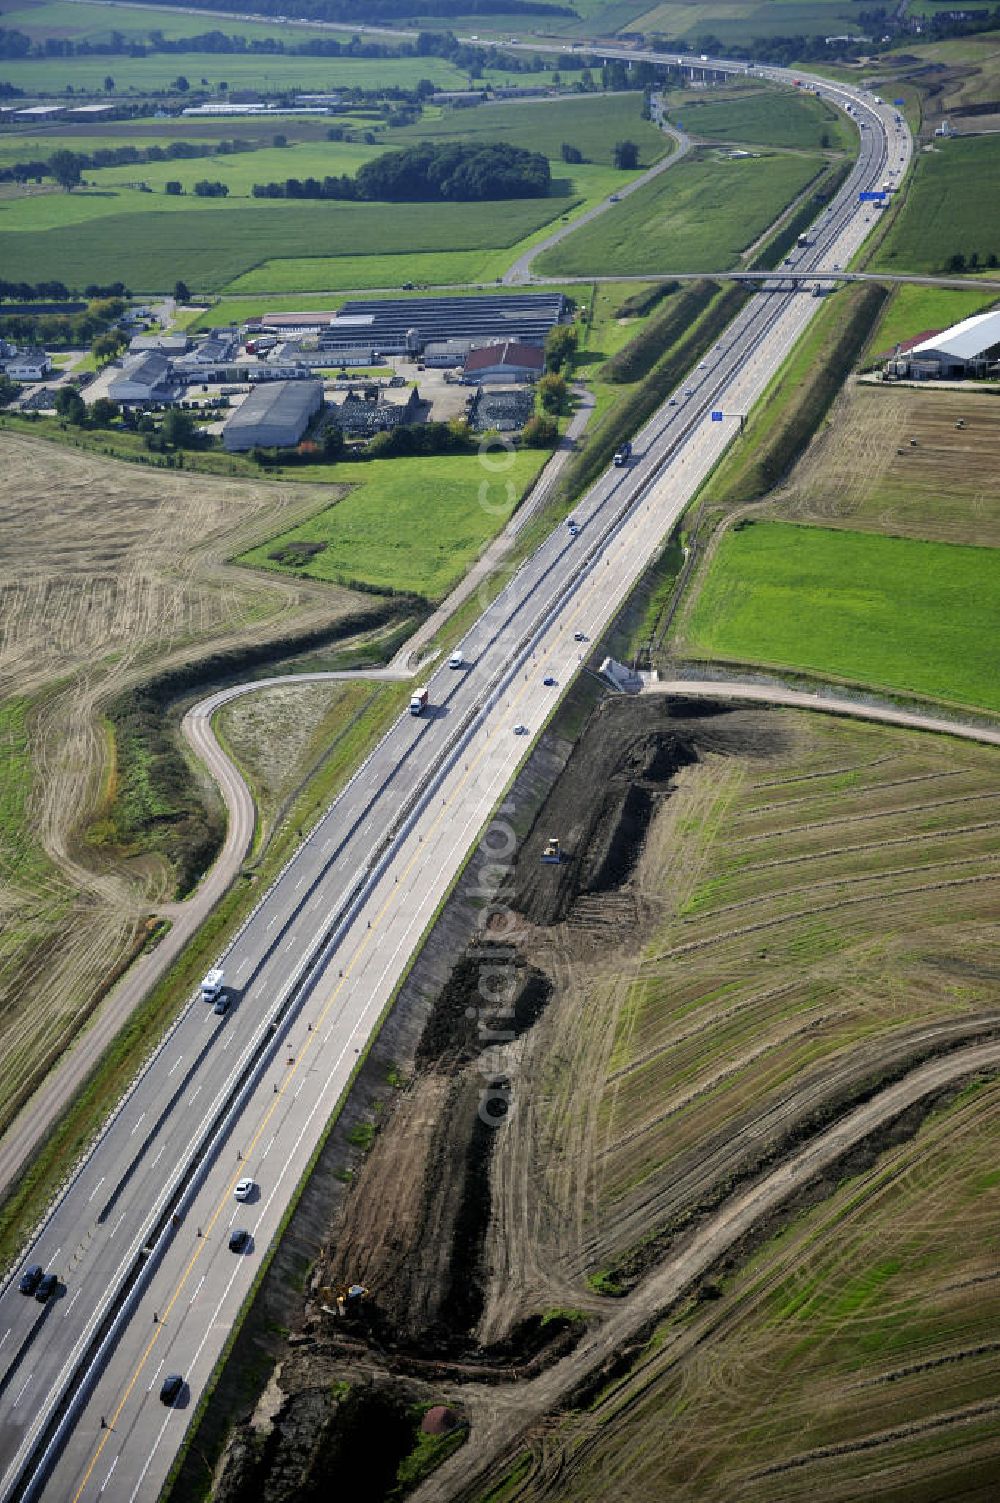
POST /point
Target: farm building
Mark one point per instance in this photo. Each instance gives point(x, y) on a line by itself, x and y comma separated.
point(503, 362)
point(274, 415)
point(971, 348)
point(145, 378)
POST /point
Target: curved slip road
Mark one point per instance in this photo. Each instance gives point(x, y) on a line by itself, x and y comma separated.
point(140, 1236)
point(37, 1117)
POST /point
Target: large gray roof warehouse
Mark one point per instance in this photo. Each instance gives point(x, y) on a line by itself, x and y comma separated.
point(274, 415)
point(395, 325)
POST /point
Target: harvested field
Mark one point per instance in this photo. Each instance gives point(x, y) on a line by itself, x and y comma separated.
point(855, 1357)
point(111, 572)
point(763, 919)
point(862, 472)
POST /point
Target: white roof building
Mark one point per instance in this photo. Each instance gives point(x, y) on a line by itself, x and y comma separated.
point(966, 348)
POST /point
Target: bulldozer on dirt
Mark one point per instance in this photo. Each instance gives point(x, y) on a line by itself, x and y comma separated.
point(345, 1300)
point(552, 854)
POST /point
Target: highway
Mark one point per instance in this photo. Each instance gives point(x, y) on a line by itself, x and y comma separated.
point(139, 1237)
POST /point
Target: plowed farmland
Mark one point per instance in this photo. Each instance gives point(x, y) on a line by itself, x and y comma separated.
point(765, 960)
point(110, 571)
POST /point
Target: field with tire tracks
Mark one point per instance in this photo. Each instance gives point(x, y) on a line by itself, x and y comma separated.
point(112, 571)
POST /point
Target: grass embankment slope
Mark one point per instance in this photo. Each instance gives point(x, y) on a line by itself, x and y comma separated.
point(892, 613)
point(950, 209)
point(412, 525)
point(699, 216)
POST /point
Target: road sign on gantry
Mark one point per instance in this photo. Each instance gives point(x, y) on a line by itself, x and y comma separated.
point(717, 417)
point(870, 198)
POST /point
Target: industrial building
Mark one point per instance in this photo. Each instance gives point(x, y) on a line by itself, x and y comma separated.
point(971, 348)
point(274, 416)
point(145, 378)
point(503, 363)
point(401, 326)
point(23, 363)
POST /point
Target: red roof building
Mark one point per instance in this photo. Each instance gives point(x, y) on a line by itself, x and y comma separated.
point(503, 362)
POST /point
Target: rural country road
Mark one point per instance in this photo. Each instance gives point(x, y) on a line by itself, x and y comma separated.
point(500, 1415)
point(833, 704)
point(521, 269)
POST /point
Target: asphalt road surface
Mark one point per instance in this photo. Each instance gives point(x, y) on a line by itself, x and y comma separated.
point(148, 1283)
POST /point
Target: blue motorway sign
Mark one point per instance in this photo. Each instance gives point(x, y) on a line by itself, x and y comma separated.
point(717, 417)
point(870, 198)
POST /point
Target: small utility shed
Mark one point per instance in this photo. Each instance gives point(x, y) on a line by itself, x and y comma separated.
point(274, 416)
point(503, 362)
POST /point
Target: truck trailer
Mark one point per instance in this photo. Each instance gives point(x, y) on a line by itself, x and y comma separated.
point(418, 701)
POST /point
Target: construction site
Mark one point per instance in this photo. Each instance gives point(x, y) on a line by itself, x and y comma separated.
point(583, 1183)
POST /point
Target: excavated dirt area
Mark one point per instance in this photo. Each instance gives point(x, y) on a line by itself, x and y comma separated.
point(596, 1064)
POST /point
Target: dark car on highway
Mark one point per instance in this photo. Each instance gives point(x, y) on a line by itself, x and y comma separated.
point(31, 1278)
point(239, 1238)
point(171, 1387)
point(46, 1287)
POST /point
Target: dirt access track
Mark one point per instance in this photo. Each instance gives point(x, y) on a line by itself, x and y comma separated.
point(749, 961)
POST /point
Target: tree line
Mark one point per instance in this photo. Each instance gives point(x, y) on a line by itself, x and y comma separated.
point(455, 171)
point(75, 163)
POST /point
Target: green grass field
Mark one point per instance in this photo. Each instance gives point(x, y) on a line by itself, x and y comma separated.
point(763, 117)
point(698, 216)
point(210, 242)
point(592, 123)
point(413, 524)
point(587, 186)
point(913, 309)
point(950, 208)
point(240, 171)
point(95, 23)
point(890, 612)
point(269, 73)
point(740, 23)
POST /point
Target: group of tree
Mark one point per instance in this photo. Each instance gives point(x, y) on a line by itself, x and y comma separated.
point(205, 188)
point(455, 171)
point(560, 347)
point(971, 262)
point(25, 292)
point(71, 408)
point(62, 330)
point(68, 167)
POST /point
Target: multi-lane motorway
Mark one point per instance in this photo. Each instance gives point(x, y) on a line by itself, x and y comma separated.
point(139, 1239)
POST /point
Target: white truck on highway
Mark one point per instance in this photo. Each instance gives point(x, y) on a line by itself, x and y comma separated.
point(211, 987)
point(418, 701)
